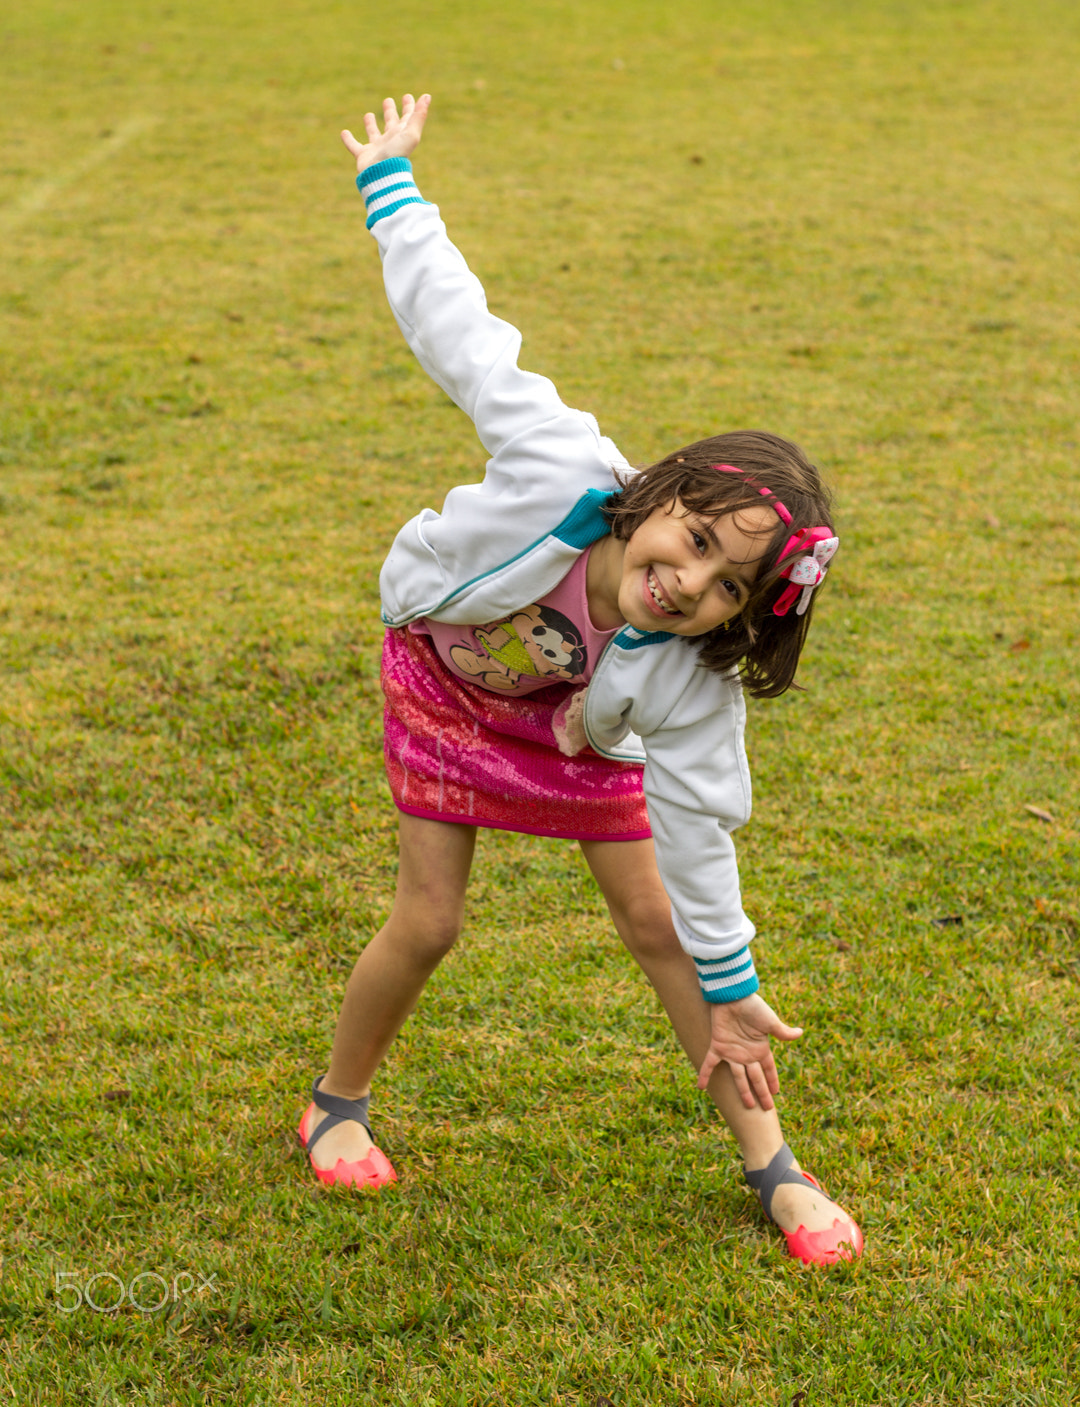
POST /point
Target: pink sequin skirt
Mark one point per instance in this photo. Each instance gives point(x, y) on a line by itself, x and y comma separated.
point(455, 752)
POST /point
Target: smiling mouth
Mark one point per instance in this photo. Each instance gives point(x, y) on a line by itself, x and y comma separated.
point(653, 584)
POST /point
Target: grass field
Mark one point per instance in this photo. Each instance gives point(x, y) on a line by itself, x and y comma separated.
point(853, 224)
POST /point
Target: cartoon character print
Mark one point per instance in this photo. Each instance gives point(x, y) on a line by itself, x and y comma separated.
point(538, 641)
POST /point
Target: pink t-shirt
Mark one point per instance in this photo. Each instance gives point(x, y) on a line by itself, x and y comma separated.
point(552, 641)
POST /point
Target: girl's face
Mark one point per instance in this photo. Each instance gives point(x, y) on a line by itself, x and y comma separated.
point(686, 573)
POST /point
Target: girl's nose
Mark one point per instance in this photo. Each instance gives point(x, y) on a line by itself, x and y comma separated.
point(694, 581)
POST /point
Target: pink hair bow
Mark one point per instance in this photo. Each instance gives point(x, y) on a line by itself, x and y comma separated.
point(805, 572)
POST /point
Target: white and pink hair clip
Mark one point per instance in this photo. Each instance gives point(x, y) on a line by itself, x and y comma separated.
point(806, 571)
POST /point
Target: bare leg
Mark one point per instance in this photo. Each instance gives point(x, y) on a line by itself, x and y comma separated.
point(641, 912)
point(433, 870)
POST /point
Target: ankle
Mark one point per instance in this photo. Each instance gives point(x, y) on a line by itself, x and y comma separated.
point(343, 1089)
point(758, 1153)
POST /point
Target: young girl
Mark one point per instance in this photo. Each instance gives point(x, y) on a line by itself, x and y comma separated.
point(563, 657)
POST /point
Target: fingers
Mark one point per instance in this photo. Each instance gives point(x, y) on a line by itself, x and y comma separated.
point(755, 1082)
point(418, 116)
point(708, 1065)
point(785, 1033)
point(754, 1085)
point(759, 1084)
point(742, 1085)
point(355, 147)
point(414, 111)
point(765, 1080)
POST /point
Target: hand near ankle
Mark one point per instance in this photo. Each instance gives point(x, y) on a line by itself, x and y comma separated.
point(740, 1036)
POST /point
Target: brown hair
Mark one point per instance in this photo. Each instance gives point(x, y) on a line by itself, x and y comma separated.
point(763, 647)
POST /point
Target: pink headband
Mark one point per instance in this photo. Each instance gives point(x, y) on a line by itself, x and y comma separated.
point(809, 571)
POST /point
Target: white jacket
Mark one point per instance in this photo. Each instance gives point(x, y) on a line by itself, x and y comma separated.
point(503, 543)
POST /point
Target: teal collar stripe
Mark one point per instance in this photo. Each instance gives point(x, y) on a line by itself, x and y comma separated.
point(631, 639)
point(582, 526)
point(585, 523)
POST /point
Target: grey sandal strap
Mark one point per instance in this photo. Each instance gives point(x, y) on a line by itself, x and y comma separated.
point(340, 1111)
point(766, 1180)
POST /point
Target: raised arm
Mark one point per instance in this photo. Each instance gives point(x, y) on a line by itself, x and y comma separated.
point(439, 303)
point(544, 455)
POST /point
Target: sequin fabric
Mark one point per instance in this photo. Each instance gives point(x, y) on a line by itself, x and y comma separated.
point(455, 752)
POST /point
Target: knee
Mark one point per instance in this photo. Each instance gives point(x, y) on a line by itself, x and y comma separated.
point(427, 933)
point(645, 926)
point(443, 931)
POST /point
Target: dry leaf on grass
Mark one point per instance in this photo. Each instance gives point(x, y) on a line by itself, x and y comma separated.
point(1038, 811)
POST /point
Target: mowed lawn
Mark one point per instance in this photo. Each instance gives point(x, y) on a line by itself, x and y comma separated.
point(856, 225)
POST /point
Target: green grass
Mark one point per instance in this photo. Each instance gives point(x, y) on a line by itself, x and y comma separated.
point(856, 225)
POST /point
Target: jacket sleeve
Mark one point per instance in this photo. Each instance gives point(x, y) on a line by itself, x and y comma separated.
point(543, 454)
point(697, 787)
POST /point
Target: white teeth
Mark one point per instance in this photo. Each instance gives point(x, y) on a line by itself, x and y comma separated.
point(654, 591)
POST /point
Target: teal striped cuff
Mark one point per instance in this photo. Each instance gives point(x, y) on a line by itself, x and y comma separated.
point(386, 187)
point(727, 979)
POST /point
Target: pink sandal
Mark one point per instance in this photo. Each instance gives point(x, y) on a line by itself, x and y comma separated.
point(375, 1170)
point(841, 1241)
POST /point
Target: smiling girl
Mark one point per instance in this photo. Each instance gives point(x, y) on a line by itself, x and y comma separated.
point(567, 647)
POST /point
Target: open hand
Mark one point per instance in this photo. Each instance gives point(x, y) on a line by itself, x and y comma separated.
point(740, 1035)
point(400, 135)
